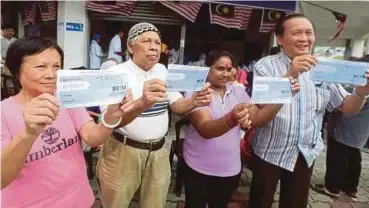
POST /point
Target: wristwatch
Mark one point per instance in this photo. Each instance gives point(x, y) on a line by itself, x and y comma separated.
point(358, 95)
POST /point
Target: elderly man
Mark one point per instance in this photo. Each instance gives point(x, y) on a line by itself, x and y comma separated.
point(135, 158)
point(285, 148)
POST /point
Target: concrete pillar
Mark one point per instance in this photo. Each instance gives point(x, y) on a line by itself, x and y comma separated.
point(73, 33)
point(21, 32)
point(367, 46)
point(358, 48)
point(182, 43)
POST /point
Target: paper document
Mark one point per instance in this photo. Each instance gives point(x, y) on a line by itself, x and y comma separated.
point(339, 71)
point(271, 90)
point(86, 88)
point(183, 78)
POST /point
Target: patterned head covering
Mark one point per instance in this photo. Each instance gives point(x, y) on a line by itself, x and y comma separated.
point(140, 28)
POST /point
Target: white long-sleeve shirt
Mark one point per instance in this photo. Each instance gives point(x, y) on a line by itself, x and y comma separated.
point(95, 55)
point(115, 46)
point(5, 43)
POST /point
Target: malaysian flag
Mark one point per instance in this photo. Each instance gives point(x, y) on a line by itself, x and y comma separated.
point(230, 16)
point(29, 13)
point(47, 10)
point(270, 18)
point(188, 10)
point(340, 20)
point(122, 7)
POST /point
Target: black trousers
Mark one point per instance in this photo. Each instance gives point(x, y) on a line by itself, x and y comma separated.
point(295, 185)
point(343, 167)
point(202, 190)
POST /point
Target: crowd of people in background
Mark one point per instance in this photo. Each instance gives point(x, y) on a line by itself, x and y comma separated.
point(42, 159)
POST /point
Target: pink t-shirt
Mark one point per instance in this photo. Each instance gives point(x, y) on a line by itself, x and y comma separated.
point(220, 156)
point(54, 173)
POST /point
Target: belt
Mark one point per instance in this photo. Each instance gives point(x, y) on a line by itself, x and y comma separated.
point(152, 145)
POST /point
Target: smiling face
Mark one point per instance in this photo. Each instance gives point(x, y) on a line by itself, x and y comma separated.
point(298, 37)
point(38, 72)
point(146, 50)
point(220, 72)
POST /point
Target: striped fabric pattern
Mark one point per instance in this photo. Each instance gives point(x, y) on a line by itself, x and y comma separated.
point(268, 23)
point(47, 10)
point(297, 127)
point(121, 7)
point(188, 10)
point(29, 15)
point(158, 109)
point(240, 20)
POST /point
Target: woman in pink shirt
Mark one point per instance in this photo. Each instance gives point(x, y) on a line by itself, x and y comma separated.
point(42, 163)
point(212, 143)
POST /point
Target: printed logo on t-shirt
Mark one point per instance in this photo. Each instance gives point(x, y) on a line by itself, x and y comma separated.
point(51, 137)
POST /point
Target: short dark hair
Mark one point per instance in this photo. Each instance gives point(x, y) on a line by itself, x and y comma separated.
point(216, 54)
point(25, 47)
point(7, 26)
point(279, 28)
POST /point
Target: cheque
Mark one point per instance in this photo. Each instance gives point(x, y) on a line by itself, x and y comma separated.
point(339, 71)
point(271, 90)
point(86, 88)
point(182, 78)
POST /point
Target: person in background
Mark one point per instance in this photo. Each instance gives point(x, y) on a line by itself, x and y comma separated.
point(234, 77)
point(285, 148)
point(115, 47)
point(96, 53)
point(211, 148)
point(164, 59)
point(41, 156)
point(135, 157)
point(7, 38)
point(347, 135)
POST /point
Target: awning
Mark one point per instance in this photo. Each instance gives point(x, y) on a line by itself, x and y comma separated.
point(133, 11)
point(289, 6)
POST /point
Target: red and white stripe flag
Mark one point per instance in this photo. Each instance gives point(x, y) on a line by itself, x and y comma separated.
point(230, 16)
point(29, 13)
point(270, 18)
point(121, 7)
point(188, 10)
point(47, 10)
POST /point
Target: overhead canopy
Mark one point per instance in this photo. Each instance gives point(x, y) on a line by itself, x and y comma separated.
point(325, 25)
point(276, 5)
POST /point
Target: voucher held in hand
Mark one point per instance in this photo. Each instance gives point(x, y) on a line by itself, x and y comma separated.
point(86, 88)
point(339, 71)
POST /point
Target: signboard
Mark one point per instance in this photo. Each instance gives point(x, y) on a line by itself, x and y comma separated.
point(78, 27)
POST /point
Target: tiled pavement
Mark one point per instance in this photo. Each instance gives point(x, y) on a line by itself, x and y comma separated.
point(316, 200)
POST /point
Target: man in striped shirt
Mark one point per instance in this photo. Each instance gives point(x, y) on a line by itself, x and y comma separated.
point(285, 148)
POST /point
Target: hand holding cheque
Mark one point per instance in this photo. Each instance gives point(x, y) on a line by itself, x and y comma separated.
point(239, 115)
point(85, 88)
point(42, 110)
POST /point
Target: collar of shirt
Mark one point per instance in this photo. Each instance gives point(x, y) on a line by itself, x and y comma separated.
point(138, 71)
point(285, 58)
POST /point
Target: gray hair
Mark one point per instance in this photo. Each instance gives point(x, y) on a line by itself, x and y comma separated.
point(131, 42)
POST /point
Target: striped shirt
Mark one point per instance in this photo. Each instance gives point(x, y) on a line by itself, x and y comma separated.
point(297, 127)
